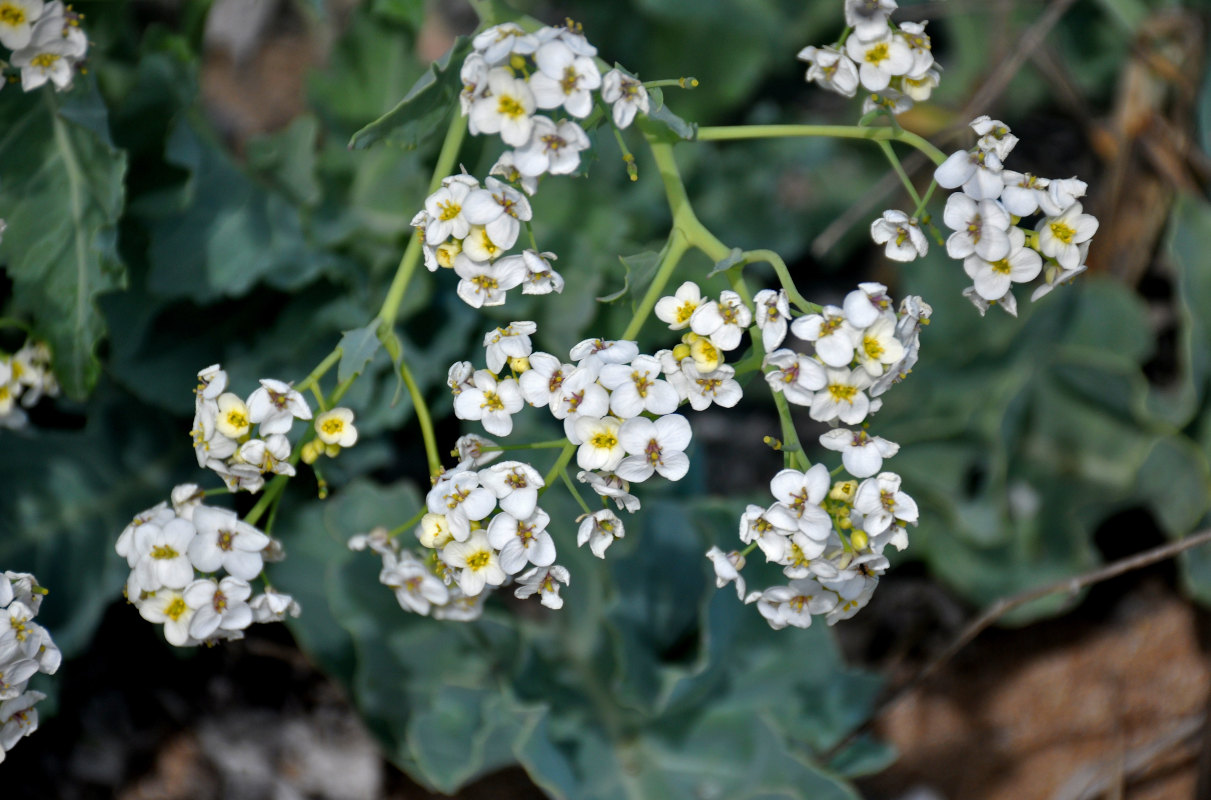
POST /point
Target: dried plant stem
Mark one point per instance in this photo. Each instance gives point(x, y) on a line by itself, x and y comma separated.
point(1002, 607)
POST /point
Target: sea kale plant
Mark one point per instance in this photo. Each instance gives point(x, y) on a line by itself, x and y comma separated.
point(573, 453)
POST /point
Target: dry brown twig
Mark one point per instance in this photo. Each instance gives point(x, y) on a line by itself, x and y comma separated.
point(1000, 608)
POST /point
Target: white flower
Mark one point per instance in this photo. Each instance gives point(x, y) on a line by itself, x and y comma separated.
point(478, 246)
point(54, 47)
point(626, 95)
point(913, 311)
point(994, 136)
point(605, 351)
point(472, 449)
point(654, 446)
point(861, 453)
point(880, 502)
point(446, 215)
point(545, 581)
point(416, 588)
point(1061, 194)
point(485, 284)
point(879, 59)
point(220, 605)
point(796, 375)
point(18, 717)
point(515, 485)
point(724, 321)
point(564, 79)
point(17, 19)
point(570, 35)
point(164, 554)
point(600, 447)
point(718, 387)
point(852, 596)
point(474, 77)
point(1053, 276)
point(477, 563)
point(497, 43)
point(506, 168)
point(505, 109)
point(543, 380)
point(979, 227)
point(770, 528)
point(462, 500)
point(609, 485)
point(232, 418)
point(599, 530)
point(831, 333)
point(978, 172)
point(224, 540)
point(168, 606)
point(500, 209)
point(773, 313)
point(801, 493)
point(461, 608)
point(434, 531)
point(271, 454)
point(511, 341)
point(831, 68)
point(552, 148)
point(903, 237)
point(919, 89)
point(637, 387)
point(914, 35)
point(866, 304)
point(1060, 236)
point(540, 277)
point(727, 569)
point(868, 18)
point(993, 279)
point(522, 541)
point(677, 309)
point(843, 397)
point(273, 606)
point(158, 515)
point(579, 396)
point(793, 605)
point(878, 348)
point(335, 427)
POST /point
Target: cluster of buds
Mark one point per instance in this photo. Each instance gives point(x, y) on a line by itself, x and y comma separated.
point(985, 215)
point(222, 429)
point(25, 376)
point(25, 650)
point(893, 62)
point(46, 41)
point(190, 570)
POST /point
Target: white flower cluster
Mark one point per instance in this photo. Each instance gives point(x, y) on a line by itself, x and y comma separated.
point(483, 528)
point(26, 376)
point(510, 75)
point(829, 540)
point(222, 429)
point(894, 62)
point(996, 252)
point(469, 228)
point(25, 650)
point(176, 553)
point(860, 349)
point(46, 41)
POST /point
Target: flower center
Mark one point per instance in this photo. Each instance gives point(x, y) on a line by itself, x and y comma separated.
point(653, 451)
point(605, 441)
point(225, 540)
point(1001, 266)
point(1062, 232)
point(44, 60)
point(842, 393)
point(492, 402)
point(163, 552)
point(877, 54)
point(11, 15)
point(485, 283)
point(478, 560)
point(175, 609)
point(510, 107)
point(332, 427)
point(449, 210)
point(642, 382)
point(872, 347)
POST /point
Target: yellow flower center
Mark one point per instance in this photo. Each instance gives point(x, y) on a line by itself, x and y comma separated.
point(570, 79)
point(163, 551)
point(449, 210)
point(44, 60)
point(877, 54)
point(510, 107)
point(478, 560)
point(11, 15)
point(842, 393)
point(605, 441)
point(176, 608)
point(873, 349)
point(485, 283)
point(554, 143)
point(1001, 266)
point(1062, 232)
point(685, 311)
point(224, 540)
point(492, 402)
point(642, 382)
point(332, 426)
point(654, 454)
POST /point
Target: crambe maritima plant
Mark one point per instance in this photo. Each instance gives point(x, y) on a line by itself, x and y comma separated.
point(565, 484)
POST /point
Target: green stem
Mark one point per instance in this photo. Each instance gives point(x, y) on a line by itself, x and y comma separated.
point(791, 446)
point(409, 524)
point(569, 450)
point(567, 479)
point(899, 168)
point(272, 493)
point(737, 132)
point(531, 446)
point(411, 258)
point(784, 277)
point(321, 369)
point(423, 419)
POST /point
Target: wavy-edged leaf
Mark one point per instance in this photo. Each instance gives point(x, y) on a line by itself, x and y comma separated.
point(61, 193)
point(422, 110)
point(357, 346)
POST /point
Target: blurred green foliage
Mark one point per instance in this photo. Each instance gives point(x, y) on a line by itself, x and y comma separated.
point(144, 249)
